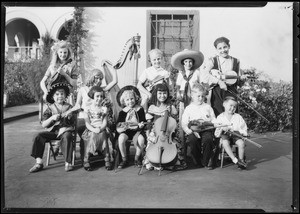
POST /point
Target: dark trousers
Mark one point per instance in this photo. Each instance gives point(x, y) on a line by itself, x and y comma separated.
point(41, 138)
point(202, 149)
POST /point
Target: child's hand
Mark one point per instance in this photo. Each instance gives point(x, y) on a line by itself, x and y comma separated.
point(222, 85)
point(189, 131)
point(141, 124)
point(97, 130)
point(56, 117)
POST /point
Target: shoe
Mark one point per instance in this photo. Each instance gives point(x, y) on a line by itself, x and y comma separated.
point(87, 166)
point(240, 167)
point(108, 165)
point(68, 167)
point(138, 163)
point(122, 164)
point(37, 167)
point(241, 163)
point(209, 167)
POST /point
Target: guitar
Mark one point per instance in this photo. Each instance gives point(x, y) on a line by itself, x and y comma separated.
point(229, 77)
point(57, 76)
point(150, 84)
point(63, 118)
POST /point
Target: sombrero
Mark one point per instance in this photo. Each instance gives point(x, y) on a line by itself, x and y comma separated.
point(125, 88)
point(197, 56)
point(56, 86)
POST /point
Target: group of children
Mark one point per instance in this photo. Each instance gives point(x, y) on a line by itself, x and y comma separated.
point(141, 107)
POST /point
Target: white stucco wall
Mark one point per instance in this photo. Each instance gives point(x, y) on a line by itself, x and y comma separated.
point(260, 37)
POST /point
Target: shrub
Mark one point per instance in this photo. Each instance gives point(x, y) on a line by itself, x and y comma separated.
point(15, 85)
point(272, 100)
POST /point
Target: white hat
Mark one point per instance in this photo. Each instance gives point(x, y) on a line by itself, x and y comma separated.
point(197, 56)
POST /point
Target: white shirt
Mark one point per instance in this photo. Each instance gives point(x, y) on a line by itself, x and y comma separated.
point(194, 79)
point(151, 73)
point(197, 112)
point(86, 100)
point(237, 121)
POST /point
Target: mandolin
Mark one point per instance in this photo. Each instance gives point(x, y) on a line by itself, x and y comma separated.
point(163, 151)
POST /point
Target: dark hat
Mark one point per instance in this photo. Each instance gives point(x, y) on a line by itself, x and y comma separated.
point(230, 98)
point(128, 88)
point(54, 87)
point(197, 56)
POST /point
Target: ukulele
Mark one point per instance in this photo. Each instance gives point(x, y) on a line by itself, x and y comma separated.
point(57, 76)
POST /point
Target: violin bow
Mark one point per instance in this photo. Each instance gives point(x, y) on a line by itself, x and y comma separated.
point(248, 105)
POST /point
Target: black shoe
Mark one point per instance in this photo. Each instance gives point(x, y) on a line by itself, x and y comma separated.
point(123, 164)
point(87, 167)
point(241, 163)
point(108, 165)
point(240, 167)
point(138, 163)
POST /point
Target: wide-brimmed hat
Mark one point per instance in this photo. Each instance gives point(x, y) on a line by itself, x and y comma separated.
point(128, 88)
point(197, 56)
point(54, 87)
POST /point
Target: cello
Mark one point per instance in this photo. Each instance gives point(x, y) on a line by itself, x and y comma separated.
point(163, 152)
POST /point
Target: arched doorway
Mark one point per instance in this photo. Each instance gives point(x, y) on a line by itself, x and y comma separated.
point(22, 39)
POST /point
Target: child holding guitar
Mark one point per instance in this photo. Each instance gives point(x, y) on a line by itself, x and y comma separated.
point(61, 66)
point(160, 103)
point(130, 124)
point(152, 76)
point(95, 136)
point(225, 64)
point(60, 121)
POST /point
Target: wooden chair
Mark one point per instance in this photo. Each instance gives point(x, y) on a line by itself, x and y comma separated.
point(223, 154)
point(75, 142)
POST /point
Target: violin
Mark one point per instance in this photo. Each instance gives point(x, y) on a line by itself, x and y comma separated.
point(202, 126)
point(163, 151)
point(123, 126)
point(229, 77)
point(150, 84)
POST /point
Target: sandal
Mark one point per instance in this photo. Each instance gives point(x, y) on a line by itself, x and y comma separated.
point(37, 167)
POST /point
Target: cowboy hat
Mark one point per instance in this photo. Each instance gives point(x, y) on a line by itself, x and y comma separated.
point(54, 87)
point(197, 56)
point(126, 88)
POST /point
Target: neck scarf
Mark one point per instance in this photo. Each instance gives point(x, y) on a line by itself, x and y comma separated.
point(187, 88)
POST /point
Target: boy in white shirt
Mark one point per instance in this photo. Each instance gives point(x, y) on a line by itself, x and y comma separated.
point(200, 111)
point(238, 125)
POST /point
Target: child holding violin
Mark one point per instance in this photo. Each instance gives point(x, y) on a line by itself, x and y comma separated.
point(216, 68)
point(160, 102)
point(203, 113)
point(238, 125)
point(130, 124)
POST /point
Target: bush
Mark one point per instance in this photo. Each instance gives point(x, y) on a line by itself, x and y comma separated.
point(15, 84)
point(272, 100)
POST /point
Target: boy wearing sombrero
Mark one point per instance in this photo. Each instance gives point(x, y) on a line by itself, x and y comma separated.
point(59, 122)
point(130, 124)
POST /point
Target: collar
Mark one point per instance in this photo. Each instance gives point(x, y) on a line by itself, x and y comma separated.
point(222, 59)
point(127, 109)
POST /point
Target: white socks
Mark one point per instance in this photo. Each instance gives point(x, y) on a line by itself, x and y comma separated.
point(235, 160)
point(39, 160)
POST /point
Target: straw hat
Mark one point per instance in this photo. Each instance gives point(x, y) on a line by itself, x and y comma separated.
point(197, 56)
point(125, 88)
